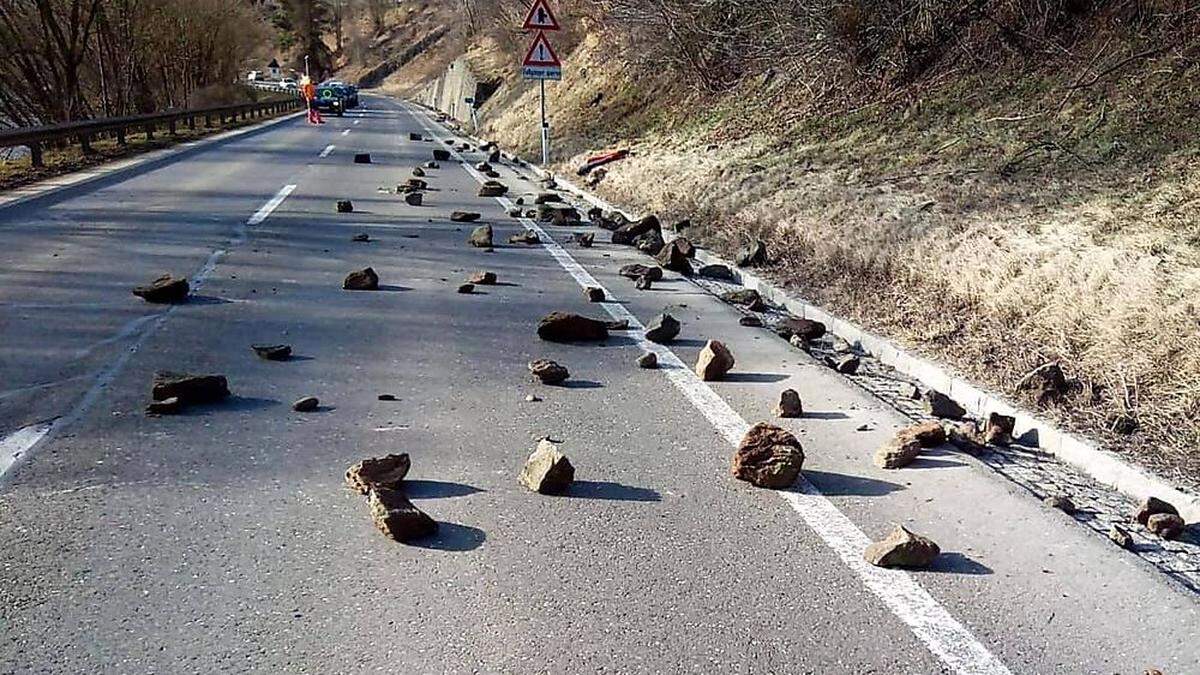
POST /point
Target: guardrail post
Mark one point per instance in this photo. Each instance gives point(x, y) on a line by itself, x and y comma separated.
point(85, 143)
point(207, 120)
point(191, 121)
point(171, 127)
point(120, 131)
point(149, 132)
point(35, 155)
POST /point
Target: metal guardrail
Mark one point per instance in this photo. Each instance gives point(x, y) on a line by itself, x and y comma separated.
point(85, 131)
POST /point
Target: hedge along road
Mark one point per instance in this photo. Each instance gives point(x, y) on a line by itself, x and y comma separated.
point(224, 537)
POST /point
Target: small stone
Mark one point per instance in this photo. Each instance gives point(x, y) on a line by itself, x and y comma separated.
point(414, 185)
point(650, 243)
point(483, 279)
point(481, 237)
point(768, 457)
point(1060, 502)
point(897, 453)
point(164, 290)
point(547, 471)
point(663, 329)
point(585, 239)
point(189, 389)
point(396, 517)
point(527, 237)
point(1120, 537)
point(798, 342)
point(464, 216)
point(719, 272)
point(306, 404)
point(847, 365)
point(345, 206)
point(362, 158)
point(902, 548)
point(675, 256)
point(594, 294)
point(643, 283)
point(750, 321)
point(1151, 506)
point(754, 253)
point(514, 212)
point(548, 372)
point(530, 398)
point(941, 405)
point(361, 238)
point(568, 327)
point(167, 406)
point(493, 189)
point(432, 165)
point(805, 329)
point(789, 404)
point(627, 233)
point(714, 361)
point(1046, 382)
point(483, 167)
point(387, 397)
point(361, 280)
point(466, 289)
point(649, 361)
point(273, 352)
point(999, 429)
point(378, 472)
point(418, 172)
point(965, 436)
point(637, 271)
point(1166, 525)
point(929, 434)
point(746, 297)
point(441, 155)
point(414, 199)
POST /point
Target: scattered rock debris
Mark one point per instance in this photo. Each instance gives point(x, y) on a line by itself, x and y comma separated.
point(649, 361)
point(418, 172)
point(361, 238)
point(750, 321)
point(585, 239)
point(929, 434)
point(643, 283)
point(902, 548)
point(663, 329)
point(1061, 502)
point(549, 372)
point(1151, 506)
point(189, 389)
point(464, 216)
point(414, 199)
point(481, 237)
point(273, 352)
point(493, 189)
point(527, 237)
point(789, 404)
point(718, 272)
point(441, 155)
point(361, 280)
point(166, 289)
point(547, 470)
point(362, 158)
point(714, 361)
point(1165, 525)
point(377, 472)
point(387, 397)
point(999, 429)
point(768, 457)
point(675, 256)
point(594, 294)
point(483, 279)
point(805, 329)
point(466, 289)
point(1120, 537)
point(897, 453)
point(306, 404)
point(846, 364)
point(396, 517)
point(568, 327)
point(345, 206)
point(745, 297)
point(941, 405)
point(754, 253)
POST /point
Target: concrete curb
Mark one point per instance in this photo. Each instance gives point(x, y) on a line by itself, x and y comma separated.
point(1101, 465)
point(49, 186)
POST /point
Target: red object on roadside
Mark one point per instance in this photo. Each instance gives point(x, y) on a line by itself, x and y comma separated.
point(601, 159)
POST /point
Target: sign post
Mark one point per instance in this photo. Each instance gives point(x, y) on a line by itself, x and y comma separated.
point(541, 63)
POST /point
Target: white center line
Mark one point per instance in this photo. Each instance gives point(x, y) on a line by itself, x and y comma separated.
point(328, 149)
point(945, 637)
point(356, 122)
point(271, 205)
point(345, 132)
point(19, 442)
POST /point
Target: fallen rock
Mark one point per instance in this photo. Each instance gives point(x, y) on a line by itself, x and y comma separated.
point(441, 155)
point(637, 271)
point(768, 457)
point(494, 157)
point(897, 453)
point(585, 239)
point(466, 289)
point(714, 361)
point(846, 364)
point(273, 352)
point(650, 243)
point(413, 185)
point(941, 405)
point(531, 398)
point(514, 212)
point(387, 397)
point(483, 167)
point(966, 437)
point(674, 256)
point(432, 165)
point(1060, 502)
point(361, 280)
point(754, 253)
point(612, 221)
point(414, 136)
point(649, 361)
point(643, 283)
point(663, 329)
point(547, 471)
point(719, 272)
point(361, 238)
point(378, 472)
point(481, 237)
point(493, 189)
point(594, 294)
point(464, 217)
point(306, 404)
point(189, 389)
point(362, 158)
point(568, 327)
point(418, 172)
point(546, 198)
point(750, 321)
point(1166, 525)
point(806, 329)
point(1046, 382)
point(345, 206)
point(627, 233)
point(1120, 537)
point(618, 324)
point(789, 404)
point(999, 429)
point(549, 372)
point(1151, 506)
point(483, 279)
point(168, 406)
point(802, 344)
point(746, 297)
point(414, 199)
point(902, 548)
point(929, 434)
point(166, 289)
point(527, 237)
point(396, 517)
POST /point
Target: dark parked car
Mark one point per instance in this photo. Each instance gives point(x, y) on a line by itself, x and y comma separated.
point(349, 92)
point(331, 99)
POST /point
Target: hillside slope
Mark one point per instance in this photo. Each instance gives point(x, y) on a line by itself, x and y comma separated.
point(997, 214)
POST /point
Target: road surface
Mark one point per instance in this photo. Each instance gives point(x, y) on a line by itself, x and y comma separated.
point(224, 540)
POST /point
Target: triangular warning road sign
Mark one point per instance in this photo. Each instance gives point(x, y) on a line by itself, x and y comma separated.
point(541, 53)
point(540, 17)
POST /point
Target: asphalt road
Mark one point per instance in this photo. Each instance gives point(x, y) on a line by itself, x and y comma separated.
point(223, 540)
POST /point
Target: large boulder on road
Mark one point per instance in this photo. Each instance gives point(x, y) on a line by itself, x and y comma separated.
point(568, 327)
point(768, 457)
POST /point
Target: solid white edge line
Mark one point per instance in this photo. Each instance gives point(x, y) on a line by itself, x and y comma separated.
point(328, 149)
point(944, 636)
point(16, 444)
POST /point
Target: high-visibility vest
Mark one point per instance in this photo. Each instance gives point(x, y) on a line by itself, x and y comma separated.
point(309, 91)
